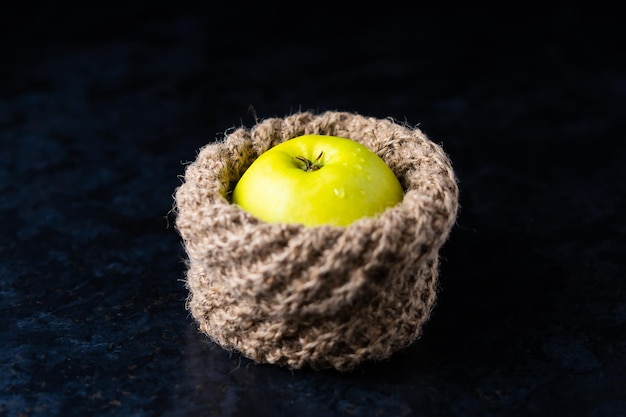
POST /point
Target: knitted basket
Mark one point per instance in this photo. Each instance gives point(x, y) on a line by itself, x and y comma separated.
point(317, 297)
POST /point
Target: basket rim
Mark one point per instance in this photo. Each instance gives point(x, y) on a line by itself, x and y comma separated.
point(269, 132)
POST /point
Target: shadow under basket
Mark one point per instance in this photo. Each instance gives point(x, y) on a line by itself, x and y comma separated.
point(316, 297)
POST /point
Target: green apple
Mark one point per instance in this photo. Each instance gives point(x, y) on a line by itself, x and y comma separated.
point(317, 180)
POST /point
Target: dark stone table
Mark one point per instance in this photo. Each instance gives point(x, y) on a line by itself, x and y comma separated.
point(101, 107)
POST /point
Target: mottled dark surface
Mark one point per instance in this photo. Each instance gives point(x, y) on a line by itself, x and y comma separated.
point(101, 106)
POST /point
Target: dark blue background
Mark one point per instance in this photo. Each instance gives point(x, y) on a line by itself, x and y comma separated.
point(101, 106)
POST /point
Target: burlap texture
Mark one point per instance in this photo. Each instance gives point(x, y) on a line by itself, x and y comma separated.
point(318, 297)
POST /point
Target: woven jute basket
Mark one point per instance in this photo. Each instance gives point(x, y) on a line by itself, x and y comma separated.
point(316, 297)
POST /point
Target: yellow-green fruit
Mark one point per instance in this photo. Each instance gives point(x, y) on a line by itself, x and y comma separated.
point(316, 180)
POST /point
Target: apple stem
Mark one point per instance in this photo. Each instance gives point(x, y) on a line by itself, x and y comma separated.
point(309, 165)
